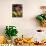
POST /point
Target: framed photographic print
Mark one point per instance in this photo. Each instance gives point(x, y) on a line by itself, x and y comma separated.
point(16, 10)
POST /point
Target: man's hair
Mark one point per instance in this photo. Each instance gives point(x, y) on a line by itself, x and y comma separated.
point(16, 5)
point(42, 7)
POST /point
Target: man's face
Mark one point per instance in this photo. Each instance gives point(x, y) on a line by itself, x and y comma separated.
point(17, 8)
point(44, 10)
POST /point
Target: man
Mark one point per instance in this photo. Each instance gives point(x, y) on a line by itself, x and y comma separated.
point(42, 17)
point(17, 10)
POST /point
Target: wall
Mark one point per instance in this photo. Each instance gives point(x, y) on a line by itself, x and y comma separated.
point(26, 25)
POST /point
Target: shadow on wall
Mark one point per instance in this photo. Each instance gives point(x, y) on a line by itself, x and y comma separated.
point(34, 22)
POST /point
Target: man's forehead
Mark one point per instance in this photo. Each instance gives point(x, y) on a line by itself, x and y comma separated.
point(42, 7)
